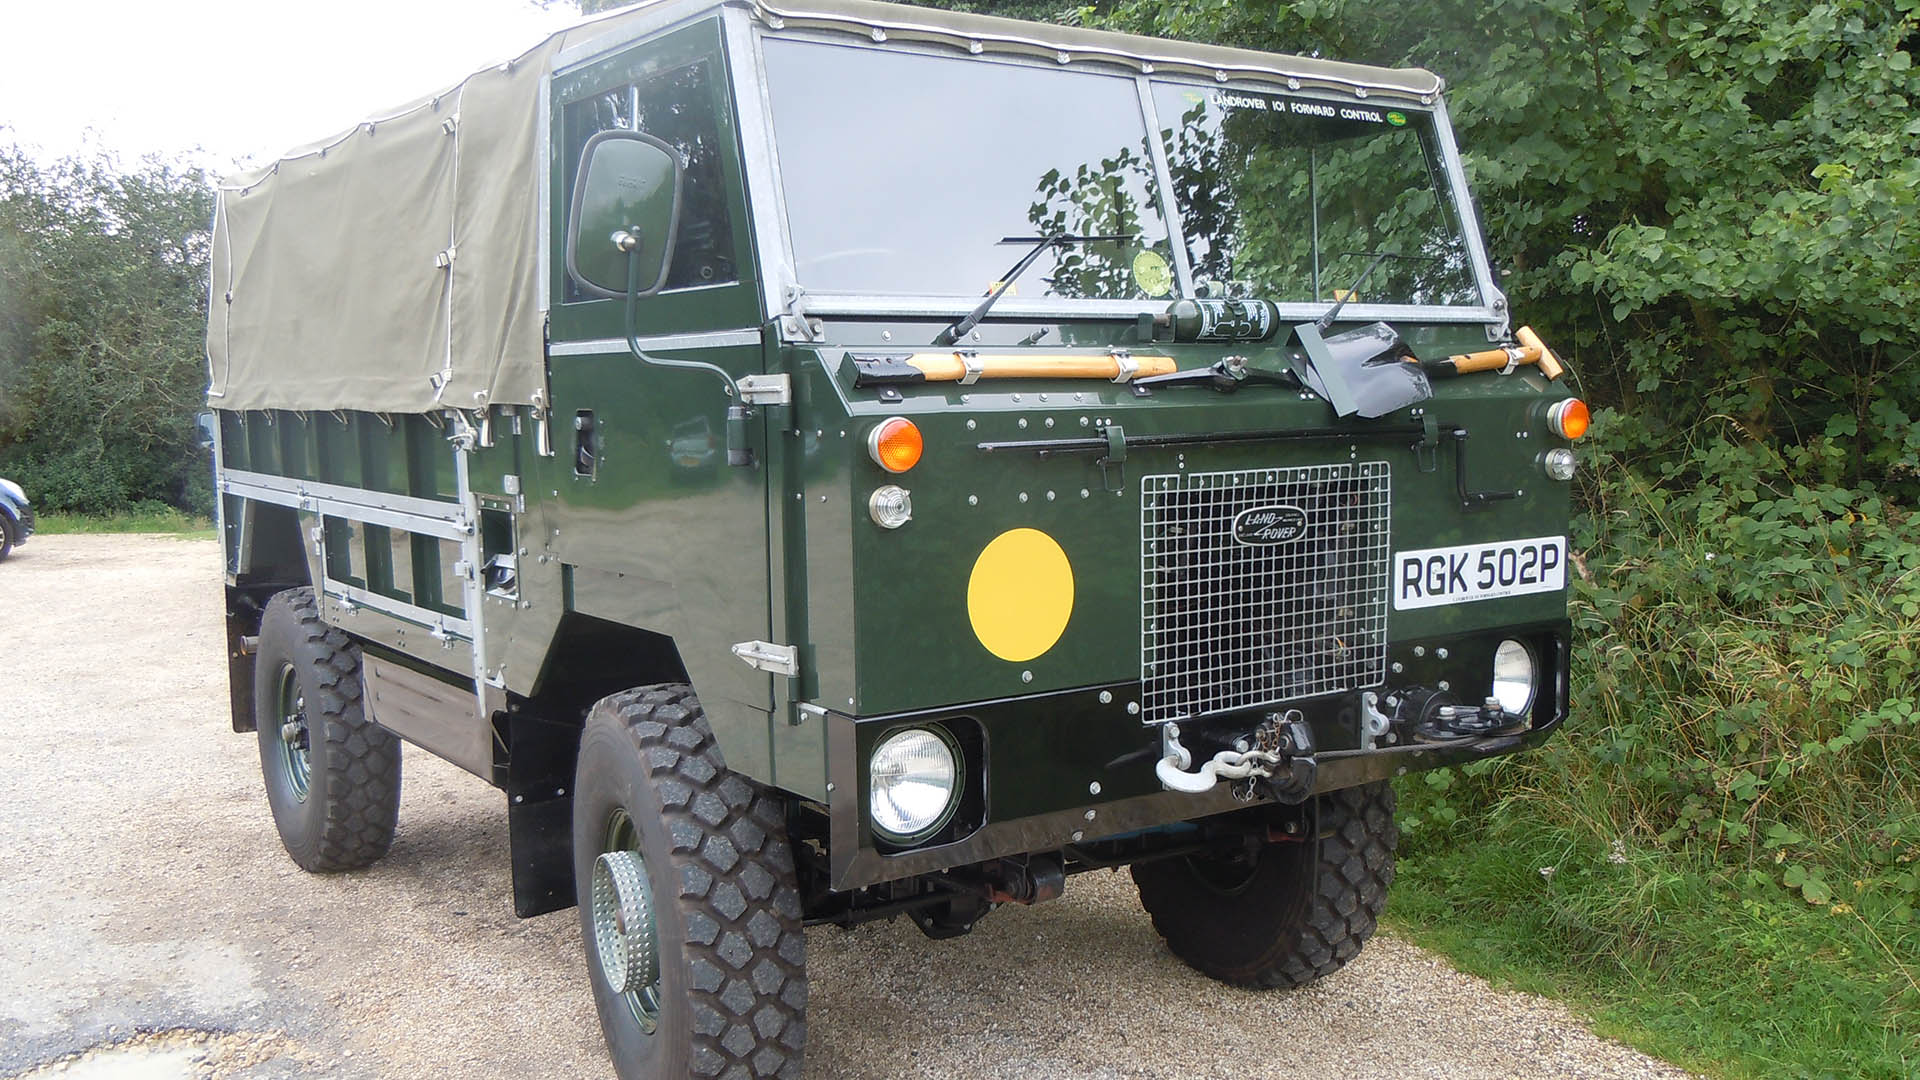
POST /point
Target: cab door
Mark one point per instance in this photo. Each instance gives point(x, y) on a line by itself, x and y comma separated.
point(656, 529)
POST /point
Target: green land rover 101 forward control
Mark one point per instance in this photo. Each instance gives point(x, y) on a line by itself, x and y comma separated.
point(848, 461)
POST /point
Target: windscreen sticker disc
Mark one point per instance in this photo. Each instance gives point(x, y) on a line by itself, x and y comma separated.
point(1151, 274)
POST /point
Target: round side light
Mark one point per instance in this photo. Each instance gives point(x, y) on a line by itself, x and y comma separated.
point(1569, 419)
point(1559, 463)
point(891, 506)
point(895, 444)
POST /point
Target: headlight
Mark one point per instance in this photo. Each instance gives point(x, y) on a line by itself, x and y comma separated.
point(915, 784)
point(1513, 675)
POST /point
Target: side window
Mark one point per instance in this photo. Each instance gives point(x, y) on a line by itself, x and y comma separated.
point(677, 106)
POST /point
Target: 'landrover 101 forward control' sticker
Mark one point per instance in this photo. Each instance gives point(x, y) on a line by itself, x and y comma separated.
point(1431, 577)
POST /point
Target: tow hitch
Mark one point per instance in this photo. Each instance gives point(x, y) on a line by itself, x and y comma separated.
point(1278, 758)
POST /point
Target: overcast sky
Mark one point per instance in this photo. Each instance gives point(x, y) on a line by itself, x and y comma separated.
point(242, 80)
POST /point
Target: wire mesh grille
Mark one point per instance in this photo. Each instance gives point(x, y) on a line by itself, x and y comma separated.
point(1261, 586)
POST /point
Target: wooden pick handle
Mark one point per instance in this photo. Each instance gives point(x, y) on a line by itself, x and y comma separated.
point(1550, 365)
point(1491, 360)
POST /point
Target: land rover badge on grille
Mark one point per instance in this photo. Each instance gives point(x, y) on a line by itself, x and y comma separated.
point(1262, 525)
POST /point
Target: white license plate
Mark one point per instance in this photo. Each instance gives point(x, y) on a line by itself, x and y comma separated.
point(1432, 577)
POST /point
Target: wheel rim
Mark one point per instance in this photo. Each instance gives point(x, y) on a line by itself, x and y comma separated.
point(295, 741)
point(625, 930)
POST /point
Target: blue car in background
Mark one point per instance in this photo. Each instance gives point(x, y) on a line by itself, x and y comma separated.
point(16, 517)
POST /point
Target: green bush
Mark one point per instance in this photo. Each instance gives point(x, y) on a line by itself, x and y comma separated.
point(103, 278)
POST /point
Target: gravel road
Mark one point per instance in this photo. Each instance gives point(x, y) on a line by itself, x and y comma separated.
point(145, 905)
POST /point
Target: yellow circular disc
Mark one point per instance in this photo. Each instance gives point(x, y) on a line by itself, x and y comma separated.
point(1020, 595)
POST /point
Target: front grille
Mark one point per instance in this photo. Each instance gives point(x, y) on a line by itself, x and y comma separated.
point(1293, 606)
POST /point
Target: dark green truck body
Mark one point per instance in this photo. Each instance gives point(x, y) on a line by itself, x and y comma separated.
point(506, 566)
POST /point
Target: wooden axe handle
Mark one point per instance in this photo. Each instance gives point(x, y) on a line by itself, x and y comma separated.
point(949, 367)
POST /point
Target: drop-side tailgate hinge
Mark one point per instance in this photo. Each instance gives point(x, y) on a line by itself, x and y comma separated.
point(776, 389)
point(768, 657)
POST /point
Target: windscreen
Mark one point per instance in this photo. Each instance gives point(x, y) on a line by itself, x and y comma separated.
point(1292, 198)
point(904, 172)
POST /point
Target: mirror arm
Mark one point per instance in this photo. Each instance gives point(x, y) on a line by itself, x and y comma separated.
point(738, 452)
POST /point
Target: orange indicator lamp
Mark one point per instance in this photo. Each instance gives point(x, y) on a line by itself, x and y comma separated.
point(1569, 419)
point(895, 444)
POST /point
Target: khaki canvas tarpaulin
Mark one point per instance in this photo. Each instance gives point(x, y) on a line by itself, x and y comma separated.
point(396, 266)
point(393, 269)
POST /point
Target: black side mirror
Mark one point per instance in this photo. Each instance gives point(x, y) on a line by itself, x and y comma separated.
point(625, 214)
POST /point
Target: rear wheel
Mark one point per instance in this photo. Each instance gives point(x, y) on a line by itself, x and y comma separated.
point(688, 901)
point(1280, 914)
point(332, 775)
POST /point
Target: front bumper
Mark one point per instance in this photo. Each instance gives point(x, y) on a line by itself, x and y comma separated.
point(1076, 766)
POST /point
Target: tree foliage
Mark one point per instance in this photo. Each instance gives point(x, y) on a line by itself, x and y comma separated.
point(1707, 202)
point(103, 277)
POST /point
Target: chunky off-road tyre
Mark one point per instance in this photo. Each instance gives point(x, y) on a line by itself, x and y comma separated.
point(1289, 912)
point(727, 992)
point(332, 775)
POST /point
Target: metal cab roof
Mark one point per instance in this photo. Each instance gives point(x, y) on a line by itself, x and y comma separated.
point(1077, 45)
point(1066, 45)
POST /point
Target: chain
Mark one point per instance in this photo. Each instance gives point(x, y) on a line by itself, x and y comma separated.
point(1226, 765)
point(1268, 751)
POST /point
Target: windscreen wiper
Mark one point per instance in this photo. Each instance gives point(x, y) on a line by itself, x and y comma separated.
point(1326, 321)
point(1041, 244)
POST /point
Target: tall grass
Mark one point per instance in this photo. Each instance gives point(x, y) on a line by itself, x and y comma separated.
point(142, 518)
point(1720, 851)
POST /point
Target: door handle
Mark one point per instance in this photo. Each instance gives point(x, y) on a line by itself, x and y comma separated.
point(586, 444)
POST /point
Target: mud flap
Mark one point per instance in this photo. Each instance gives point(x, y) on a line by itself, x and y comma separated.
point(541, 837)
point(539, 783)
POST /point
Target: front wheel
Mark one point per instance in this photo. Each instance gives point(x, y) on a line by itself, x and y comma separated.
point(688, 902)
point(1280, 914)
